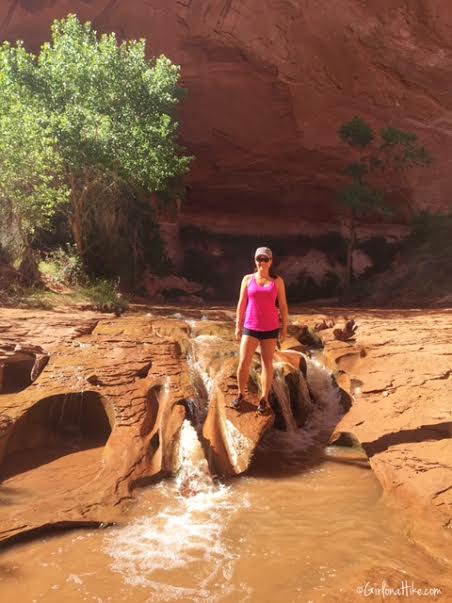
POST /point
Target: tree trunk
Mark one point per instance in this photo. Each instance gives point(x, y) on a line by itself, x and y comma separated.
point(349, 266)
point(29, 271)
point(76, 227)
point(78, 216)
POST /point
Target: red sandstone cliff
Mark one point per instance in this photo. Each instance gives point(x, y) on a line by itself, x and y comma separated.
point(269, 83)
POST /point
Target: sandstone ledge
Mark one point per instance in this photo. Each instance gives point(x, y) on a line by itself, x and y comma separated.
point(395, 366)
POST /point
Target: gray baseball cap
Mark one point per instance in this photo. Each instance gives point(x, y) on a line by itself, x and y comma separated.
point(263, 251)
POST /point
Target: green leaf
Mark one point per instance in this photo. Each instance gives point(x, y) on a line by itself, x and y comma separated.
point(356, 133)
point(364, 200)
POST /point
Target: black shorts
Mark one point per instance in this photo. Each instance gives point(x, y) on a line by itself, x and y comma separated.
point(261, 334)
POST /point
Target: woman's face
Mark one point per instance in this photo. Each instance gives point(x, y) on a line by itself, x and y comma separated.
point(263, 262)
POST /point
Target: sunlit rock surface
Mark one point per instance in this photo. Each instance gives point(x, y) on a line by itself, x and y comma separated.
point(399, 369)
point(110, 409)
point(123, 402)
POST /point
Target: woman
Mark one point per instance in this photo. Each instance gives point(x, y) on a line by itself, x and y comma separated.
point(258, 323)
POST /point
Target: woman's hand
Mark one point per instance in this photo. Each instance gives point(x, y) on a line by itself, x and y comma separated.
point(283, 334)
point(238, 332)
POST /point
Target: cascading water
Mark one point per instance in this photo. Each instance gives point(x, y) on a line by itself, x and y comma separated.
point(296, 448)
point(191, 468)
point(327, 410)
point(282, 393)
point(202, 348)
point(187, 534)
point(199, 373)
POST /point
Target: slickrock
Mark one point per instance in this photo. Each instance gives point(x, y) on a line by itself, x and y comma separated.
point(399, 368)
point(122, 376)
point(233, 434)
point(103, 412)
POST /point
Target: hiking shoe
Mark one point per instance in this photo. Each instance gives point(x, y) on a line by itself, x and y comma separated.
point(262, 407)
point(237, 401)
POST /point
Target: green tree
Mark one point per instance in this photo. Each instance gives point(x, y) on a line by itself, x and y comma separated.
point(31, 169)
point(392, 154)
point(108, 113)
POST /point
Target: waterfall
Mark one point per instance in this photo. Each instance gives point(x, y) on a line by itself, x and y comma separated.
point(190, 464)
point(298, 446)
point(327, 408)
point(186, 522)
point(202, 380)
point(281, 392)
point(185, 532)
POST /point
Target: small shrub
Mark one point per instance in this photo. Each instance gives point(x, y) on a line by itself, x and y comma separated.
point(105, 296)
point(64, 266)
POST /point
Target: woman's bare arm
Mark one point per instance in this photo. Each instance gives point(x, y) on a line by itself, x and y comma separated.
point(241, 306)
point(283, 309)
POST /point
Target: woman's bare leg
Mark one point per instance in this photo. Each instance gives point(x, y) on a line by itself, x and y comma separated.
point(267, 350)
point(248, 346)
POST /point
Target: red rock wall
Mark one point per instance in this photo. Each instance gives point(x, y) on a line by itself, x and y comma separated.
point(269, 83)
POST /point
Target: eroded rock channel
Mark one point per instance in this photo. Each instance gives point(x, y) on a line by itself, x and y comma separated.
point(93, 407)
point(106, 411)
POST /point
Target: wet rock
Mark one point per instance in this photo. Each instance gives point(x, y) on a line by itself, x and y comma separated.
point(305, 335)
point(40, 362)
point(109, 408)
point(345, 332)
point(140, 380)
point(323, 324)
point(19, 366)
point(146, 377)
point(291, 343)
point(399, 385)
point(232, 435)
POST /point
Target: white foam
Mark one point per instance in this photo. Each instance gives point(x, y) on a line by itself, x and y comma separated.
point(190, 462)
point(327, 409)
point(292, 445)
point(326, 404)
point(239, 446)
point(180, 551)
point(198, 370)
point(192, 323)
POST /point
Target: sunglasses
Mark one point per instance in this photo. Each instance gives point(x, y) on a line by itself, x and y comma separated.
point(262, 259)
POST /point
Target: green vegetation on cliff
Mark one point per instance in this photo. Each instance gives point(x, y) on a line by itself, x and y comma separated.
point(390, 155)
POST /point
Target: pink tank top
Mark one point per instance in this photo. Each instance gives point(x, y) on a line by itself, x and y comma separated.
point(261, 311)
